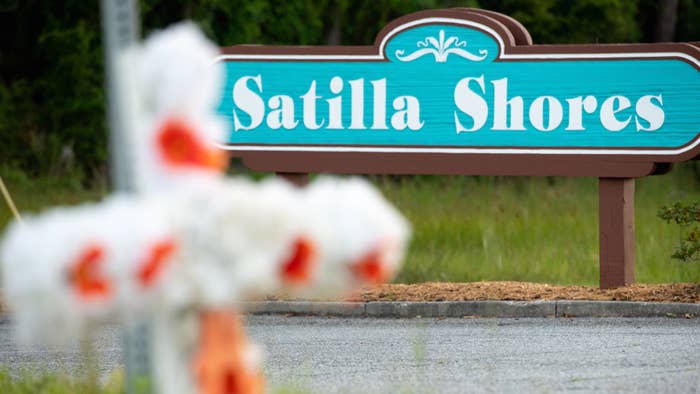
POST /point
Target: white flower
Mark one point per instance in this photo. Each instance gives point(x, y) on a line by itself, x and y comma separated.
point(235, 236)
point(176, 133)
point(71, 267)
point(361, 237)
point(241, 239)
point(177, 74)
point(174, 153)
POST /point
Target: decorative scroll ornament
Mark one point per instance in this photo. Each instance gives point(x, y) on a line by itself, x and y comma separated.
point(441, 49)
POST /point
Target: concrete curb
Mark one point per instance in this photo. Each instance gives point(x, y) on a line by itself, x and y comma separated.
point(475, 309)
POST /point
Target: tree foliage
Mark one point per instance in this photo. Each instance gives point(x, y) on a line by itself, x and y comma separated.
point(687, 216)
point(51, 72)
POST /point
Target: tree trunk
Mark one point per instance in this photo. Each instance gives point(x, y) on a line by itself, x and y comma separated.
point(666, 21)
point(335, 35)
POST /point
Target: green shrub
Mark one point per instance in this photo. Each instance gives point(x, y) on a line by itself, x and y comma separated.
point(687, 216)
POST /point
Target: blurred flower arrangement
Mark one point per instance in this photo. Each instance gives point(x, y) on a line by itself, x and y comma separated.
point(192, 246)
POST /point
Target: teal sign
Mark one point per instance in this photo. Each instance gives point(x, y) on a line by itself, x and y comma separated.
point(445, 82)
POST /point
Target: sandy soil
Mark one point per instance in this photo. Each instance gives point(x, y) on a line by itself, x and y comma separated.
point(439, 291)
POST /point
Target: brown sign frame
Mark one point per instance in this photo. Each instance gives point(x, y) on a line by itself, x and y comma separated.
point(516, 41)
point(616, 172)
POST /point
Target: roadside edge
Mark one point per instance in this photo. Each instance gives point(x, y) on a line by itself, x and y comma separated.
point(504, 309)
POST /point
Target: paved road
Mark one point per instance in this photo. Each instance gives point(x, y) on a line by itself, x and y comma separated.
point(326, 355)
point(468, 355)
point(17, 358)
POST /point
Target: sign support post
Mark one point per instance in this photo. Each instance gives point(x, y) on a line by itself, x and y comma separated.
point(296, 178)
point(616, 231)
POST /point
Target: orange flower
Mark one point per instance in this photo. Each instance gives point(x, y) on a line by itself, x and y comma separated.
point(220, 365)
point(153, 265)
point(180, 146)
point(85, 276)
point(297, 270)
point(370, 268)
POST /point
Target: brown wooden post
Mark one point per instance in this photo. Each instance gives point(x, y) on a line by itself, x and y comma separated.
point(616, 231)
point(297, 178)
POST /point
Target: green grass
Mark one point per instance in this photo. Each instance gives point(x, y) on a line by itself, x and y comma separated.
point(35, 194)
point(43, 382)
point(531, 229)
point(487, 228)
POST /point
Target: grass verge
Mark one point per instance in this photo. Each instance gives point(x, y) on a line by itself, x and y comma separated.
point(531, 229)
point(485, 228)
point(44, 382)
point(33, 382)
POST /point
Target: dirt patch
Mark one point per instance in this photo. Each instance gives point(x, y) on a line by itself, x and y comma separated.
point(524, 291)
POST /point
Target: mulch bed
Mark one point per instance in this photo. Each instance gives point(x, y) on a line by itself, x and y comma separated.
point(524, 291)
point(517, 291)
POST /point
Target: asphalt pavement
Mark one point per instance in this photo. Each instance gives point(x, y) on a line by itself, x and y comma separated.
point(428, 355)
point(17, 358)
point(481, 355)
